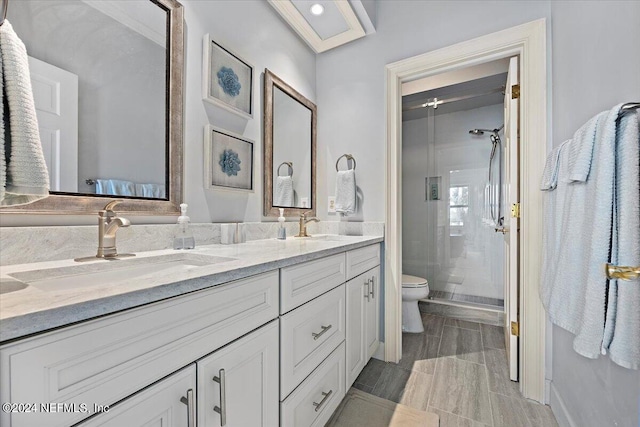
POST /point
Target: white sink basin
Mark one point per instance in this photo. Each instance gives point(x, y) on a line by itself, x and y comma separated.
point(115, 271)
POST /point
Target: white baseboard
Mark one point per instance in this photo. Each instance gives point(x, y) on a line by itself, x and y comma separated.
point(379, 354)
point(547, 391)
point(559, 408)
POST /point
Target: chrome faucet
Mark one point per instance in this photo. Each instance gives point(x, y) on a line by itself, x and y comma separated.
point(303, 224)
point(108, 225)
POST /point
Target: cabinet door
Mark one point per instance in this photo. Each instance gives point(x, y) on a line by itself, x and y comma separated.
point(372, 312)
point(168, 403)
point(357, 295)
point(238, 384)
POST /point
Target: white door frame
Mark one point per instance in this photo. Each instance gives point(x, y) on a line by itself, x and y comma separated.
point(529, 42)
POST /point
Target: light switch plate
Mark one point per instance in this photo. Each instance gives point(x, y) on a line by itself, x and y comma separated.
point(331, 204)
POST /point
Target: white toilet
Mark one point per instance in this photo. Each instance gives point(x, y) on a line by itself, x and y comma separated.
point(413, 289)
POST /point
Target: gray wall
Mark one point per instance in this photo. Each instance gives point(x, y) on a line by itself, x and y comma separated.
point(596, 64)
point(255, 32)
point(350, 82)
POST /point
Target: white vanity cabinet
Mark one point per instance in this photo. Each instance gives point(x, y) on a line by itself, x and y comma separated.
point(238, 384)
point(363, 321)
point(276, 349)
point(169, 402)
point(106, 360)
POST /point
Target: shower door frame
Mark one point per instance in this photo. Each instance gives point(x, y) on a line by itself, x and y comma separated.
point(528, 41)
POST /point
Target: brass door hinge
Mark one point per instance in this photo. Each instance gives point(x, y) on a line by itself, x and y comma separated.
point(515, 91)
point(515, 210)
point(515, 329)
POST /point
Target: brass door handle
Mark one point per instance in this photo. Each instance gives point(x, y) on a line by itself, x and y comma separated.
point(503, 230)
point(622, 272)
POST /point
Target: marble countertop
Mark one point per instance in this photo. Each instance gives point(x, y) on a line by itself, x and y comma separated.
point(33, 310)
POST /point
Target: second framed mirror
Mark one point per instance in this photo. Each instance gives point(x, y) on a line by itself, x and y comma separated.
point(289, 149)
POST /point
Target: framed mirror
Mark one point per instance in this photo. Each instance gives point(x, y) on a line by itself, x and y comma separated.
point(289, 149)
point(107, 79)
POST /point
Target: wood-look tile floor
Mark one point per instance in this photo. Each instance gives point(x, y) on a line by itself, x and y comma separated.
point(458, 370)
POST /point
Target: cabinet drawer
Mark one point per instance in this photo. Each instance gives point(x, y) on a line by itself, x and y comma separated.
point(311, 404)
point(105, 360)
point(308, 335)
point(303, 282)
point(158, 405)
point(361, 260)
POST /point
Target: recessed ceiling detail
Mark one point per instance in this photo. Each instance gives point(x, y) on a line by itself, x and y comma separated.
point(338, 24)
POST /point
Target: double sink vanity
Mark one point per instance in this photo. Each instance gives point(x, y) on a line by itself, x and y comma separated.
point(264, 333)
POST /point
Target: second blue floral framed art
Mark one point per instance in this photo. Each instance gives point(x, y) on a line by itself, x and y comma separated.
point(228, 160)
point(227, 79)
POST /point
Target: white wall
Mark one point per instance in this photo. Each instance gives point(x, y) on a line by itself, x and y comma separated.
point(596, 64)
point(351, 90)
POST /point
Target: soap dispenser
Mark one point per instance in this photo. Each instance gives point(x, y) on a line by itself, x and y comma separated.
point(184, 237)
point(282, 231)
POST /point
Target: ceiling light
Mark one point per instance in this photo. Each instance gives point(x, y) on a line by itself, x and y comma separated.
point(317, 9)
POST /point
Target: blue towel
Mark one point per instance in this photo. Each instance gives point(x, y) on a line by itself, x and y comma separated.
point(578, 226)
point(622, 328)
point(115, 187)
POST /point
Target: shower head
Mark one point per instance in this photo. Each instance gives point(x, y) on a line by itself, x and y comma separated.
point(482, 131)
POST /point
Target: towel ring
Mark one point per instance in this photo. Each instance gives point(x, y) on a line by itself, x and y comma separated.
point(349, 157)
point(290, 164)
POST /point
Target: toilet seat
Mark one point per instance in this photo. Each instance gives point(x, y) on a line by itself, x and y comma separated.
point(413, 281)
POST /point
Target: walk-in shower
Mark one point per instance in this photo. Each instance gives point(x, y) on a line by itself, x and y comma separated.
point(452, 199)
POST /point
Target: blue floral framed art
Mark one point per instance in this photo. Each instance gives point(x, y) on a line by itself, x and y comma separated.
point(227, 79)
point(228, 160)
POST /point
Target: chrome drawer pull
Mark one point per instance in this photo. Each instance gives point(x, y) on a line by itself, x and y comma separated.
point(324, 399)
point(367, 291)
point(191, 408)
point(372, 287)
point(319, 334)
point(222, 409)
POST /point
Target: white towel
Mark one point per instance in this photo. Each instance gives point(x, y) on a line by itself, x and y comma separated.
point(284, 191)
point(115, 187)
point(622, 328)
point(155, 191)
point(551, 166)
point(24, 177)
point(578, 225)
point(346, 191)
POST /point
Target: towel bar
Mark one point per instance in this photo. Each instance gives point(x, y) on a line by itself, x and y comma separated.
point(89, 181)
point(622, 272)
point(349, 157)
point(290, 164)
